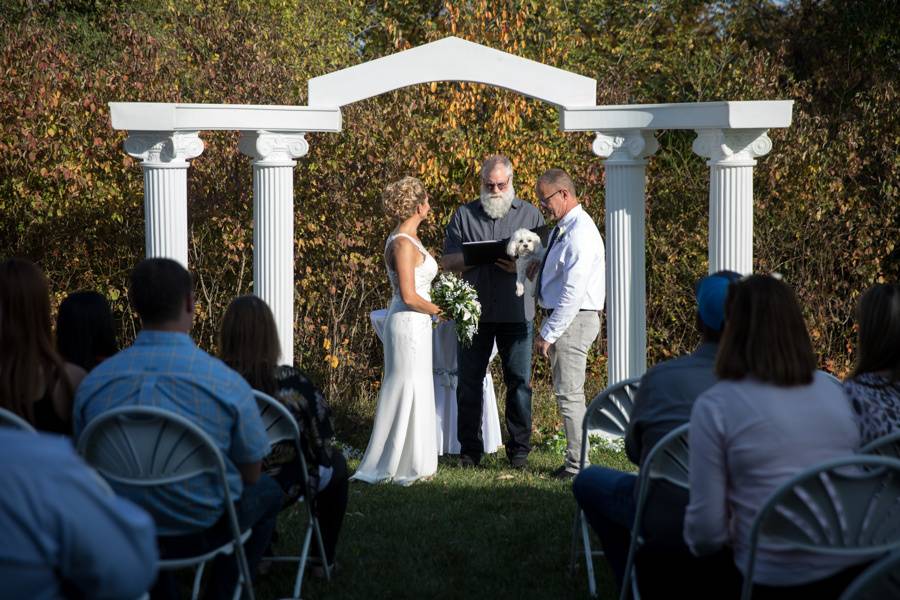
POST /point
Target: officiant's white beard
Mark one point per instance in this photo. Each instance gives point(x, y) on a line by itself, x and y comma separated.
point(497, 204)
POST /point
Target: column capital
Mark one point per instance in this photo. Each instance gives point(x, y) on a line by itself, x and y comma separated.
point(632, 145)
point(736, 147)
point(164, 148)
point(272, 148)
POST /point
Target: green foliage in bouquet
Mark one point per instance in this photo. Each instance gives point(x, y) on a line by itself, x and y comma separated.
point(458, 301)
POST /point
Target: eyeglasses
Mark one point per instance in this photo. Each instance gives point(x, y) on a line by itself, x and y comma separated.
point(544, 201)
point(496, 186)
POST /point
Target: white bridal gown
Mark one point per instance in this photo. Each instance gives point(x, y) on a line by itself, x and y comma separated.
point(403, 445)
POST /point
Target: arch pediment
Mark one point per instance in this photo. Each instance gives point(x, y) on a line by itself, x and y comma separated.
point(452, 59)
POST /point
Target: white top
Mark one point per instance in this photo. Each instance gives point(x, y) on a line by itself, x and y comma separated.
point(574, 276)
point(747, 438)
point(422, 273)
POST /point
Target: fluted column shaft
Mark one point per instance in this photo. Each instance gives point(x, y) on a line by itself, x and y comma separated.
point(273, 225)
point(731, 154)
point(164, 156)
point(625, 239)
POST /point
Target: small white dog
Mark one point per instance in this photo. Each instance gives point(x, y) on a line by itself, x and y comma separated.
point(525, 246)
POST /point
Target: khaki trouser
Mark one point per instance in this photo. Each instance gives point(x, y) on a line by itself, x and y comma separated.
point(568, 361)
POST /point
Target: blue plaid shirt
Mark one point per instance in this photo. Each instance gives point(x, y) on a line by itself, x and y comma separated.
point(167, 370)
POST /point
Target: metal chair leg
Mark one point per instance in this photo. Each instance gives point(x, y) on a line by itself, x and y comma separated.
point(321, 544)
point(301, 565)
point(588, 559)
point(573, 555)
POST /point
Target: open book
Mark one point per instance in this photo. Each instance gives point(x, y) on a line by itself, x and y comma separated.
point(483, 253)
point(487, 252)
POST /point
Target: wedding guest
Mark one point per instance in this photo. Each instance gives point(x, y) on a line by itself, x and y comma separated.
point(85, 330)
point(64, 535)
point(505, 318)
point(570, 286)
point(165, 369)
point(663, 402)
point(35, 382)
point(874, 387)
point(248, 343)
point(771, 416)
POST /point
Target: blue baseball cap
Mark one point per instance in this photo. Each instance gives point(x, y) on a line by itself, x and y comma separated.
point(711, 293)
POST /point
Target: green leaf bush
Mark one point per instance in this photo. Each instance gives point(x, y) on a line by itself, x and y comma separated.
point(826, 215)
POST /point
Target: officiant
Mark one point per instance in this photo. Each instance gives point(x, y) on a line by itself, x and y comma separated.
point(505, 318)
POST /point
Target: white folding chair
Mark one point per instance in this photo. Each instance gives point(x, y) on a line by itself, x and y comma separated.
point(887, 445)
point(147, 447)
point(845, 507)
point(609, 413)
point(281, 426)
point(10, 419)
point(879, 582)
point(668, 460)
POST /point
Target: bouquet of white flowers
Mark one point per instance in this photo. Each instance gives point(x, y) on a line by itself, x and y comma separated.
point(458, 301)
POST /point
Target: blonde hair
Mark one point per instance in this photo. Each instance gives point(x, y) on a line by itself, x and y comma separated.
point(401, 198)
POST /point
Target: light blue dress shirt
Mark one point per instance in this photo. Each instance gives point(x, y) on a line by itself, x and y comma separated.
point(167, 370)
point(62, 531)
point(574, 275)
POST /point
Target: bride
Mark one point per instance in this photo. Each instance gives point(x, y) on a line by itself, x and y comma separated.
point(403, 445)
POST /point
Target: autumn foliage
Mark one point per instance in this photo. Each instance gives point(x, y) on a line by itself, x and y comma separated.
point(827, 214)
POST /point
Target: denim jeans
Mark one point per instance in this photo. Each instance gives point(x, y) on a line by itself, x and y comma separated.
point(258, 508)
point(607, 498)
point(514, 342)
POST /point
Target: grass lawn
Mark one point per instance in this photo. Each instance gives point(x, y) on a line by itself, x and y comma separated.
point(490, 532)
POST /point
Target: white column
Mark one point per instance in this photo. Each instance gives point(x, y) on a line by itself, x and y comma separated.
point(164, 156)
point(626, 296)
point(731, 154)
point(273, 225)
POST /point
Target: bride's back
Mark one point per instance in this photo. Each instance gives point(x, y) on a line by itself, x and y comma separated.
point(424, 272)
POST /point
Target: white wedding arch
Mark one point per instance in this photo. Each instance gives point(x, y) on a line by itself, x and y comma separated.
point(164, 136)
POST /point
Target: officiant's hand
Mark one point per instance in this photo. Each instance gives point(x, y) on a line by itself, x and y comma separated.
point(506, 264)
point(542, 346)
point(532, 270)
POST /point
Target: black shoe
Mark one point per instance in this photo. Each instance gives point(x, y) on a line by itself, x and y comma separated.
point(468, 462)
point(519, 461)
point(563, 474)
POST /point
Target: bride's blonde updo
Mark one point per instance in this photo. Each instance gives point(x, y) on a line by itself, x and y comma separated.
point(401, 198)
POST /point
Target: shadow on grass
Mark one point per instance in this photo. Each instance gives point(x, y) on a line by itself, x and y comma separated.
point(476, 533)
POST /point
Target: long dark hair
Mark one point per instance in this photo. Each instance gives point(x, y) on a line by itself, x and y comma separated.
point(765, 335)
point(248, 342)
point(28, 360)
point(85, 330)
point(878, 345)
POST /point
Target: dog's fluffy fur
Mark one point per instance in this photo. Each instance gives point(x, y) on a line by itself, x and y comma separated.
point(525, 246)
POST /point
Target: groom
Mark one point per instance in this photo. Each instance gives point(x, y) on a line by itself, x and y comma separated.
point(494, 216)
